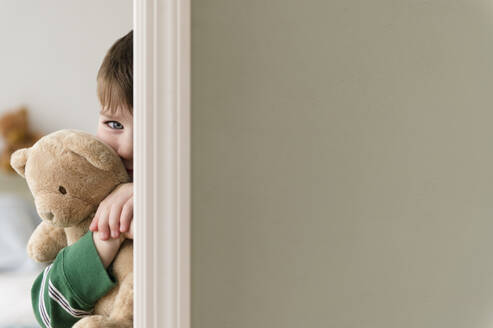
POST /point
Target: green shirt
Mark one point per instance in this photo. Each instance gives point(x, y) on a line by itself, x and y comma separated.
point(68, 288)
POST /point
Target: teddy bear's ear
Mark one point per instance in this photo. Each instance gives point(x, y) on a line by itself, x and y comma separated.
point(93, 150)
point(18, 160)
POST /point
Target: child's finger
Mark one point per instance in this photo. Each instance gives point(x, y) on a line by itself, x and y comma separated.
point(114, 221)
point(103, 227)
point(130, 233)
point(94, 224)
point(95, 220)
point(132, 229)
point(127, 215)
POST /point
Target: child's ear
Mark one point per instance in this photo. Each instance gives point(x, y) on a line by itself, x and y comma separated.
point(18, 160)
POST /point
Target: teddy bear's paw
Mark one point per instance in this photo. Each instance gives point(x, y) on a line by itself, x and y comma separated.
point(41, 252)
point(99, 321)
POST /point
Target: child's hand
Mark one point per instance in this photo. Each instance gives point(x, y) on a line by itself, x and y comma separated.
point(115, 213)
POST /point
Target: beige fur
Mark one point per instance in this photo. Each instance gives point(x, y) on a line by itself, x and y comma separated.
point(69, 172)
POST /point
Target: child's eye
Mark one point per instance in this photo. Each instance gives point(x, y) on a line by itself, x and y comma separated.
point(114, 125)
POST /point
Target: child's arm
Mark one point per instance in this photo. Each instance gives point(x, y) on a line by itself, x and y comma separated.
point(107, 249)
point(68, 289)
point(115, 213)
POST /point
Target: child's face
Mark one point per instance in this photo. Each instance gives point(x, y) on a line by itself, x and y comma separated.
point(117, 131)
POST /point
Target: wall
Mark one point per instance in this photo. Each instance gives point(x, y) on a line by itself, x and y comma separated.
point(342, 163)
point(51, 52)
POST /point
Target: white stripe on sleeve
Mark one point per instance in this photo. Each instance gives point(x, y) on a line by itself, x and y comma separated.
point(57, 296)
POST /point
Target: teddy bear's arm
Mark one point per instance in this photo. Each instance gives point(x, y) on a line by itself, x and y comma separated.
point(45, 242)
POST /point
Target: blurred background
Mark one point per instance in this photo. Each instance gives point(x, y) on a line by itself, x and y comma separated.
point(50, 54)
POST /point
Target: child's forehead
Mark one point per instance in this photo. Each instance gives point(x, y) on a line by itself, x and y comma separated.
point(109, 113)
point(117, 112)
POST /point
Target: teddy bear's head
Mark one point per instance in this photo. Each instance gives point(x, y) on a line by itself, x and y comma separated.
point(69, 172)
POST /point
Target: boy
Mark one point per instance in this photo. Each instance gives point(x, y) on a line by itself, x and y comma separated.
point(68, 289)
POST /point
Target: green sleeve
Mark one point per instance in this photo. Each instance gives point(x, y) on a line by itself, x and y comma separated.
point(68, 288)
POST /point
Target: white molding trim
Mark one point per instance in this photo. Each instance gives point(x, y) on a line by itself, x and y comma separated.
point(162, 163)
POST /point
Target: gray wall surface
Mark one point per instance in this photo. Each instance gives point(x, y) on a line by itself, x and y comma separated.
point(342, 164)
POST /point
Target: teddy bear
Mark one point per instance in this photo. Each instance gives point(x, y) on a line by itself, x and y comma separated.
point(69, 172)
point(14, 129)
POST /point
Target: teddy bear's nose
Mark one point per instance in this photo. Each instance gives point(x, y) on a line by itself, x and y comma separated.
point(47, 216)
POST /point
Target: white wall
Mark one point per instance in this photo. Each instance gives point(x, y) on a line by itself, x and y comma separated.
point(50, 53)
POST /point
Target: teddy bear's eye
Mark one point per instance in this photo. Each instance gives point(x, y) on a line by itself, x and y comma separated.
point(62, 190)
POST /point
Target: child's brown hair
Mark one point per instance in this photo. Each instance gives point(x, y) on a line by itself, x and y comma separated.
point(115, 76)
